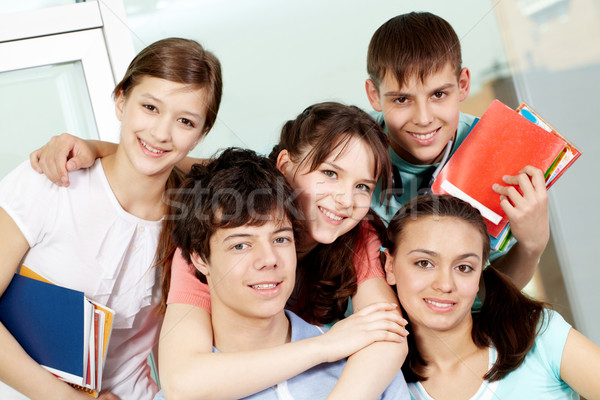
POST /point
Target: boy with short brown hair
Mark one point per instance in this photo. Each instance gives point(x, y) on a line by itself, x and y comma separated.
point(416, 83)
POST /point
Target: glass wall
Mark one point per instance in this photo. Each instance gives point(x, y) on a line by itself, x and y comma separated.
point(35, 101)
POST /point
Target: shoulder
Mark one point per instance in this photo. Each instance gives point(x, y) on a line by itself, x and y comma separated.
point(465, 123)
point(552, 331)
point(378, 117)
point(302, 329)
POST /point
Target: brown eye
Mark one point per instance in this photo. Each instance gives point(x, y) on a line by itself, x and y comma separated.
point(464, 268)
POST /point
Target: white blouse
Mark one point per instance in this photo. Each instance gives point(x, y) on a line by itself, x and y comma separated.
point(81, 238)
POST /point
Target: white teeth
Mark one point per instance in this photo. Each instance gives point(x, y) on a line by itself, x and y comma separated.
point(330, 214)
point(152, 149)
point(423, 136)
point(435, 303)
point(264, 286)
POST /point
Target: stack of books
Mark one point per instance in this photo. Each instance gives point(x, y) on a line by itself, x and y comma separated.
point(61, 329)
point(503, 142)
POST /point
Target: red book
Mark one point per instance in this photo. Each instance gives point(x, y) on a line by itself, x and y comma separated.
point(501, 143)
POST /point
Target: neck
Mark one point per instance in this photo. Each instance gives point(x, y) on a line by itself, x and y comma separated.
point(443, 350)
point(258, 333)
point(138, 194)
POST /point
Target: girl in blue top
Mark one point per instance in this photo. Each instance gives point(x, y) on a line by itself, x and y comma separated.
point(513, 347)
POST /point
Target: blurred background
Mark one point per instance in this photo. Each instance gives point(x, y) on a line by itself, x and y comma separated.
point(59, 61)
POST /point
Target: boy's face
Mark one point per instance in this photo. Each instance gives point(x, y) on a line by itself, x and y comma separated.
point(421, 117)
point(251, 269)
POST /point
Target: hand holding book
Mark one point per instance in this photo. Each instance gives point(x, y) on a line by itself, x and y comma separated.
point(501, 143)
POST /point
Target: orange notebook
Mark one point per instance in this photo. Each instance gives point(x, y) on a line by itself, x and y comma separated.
point(501, 143)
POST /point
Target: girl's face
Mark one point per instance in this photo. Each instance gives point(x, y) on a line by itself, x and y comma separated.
point(436, 270)
point(161, 121)
point(335, 196)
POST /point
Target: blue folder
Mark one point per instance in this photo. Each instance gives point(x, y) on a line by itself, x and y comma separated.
point(47, 321)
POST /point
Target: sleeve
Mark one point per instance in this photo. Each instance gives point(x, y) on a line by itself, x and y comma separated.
point(551, 340)
point(185, 287)
point(366, 257)
point(27, 197)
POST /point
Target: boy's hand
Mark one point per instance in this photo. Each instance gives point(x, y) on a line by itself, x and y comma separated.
point(61, 155)
point(377, 322)
point(527, 212)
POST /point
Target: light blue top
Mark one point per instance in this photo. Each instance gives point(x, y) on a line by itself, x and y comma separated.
point(317, 382)
point(537, 378)
point(412, 176)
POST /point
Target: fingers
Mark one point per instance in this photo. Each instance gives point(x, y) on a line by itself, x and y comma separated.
point(530, 183)
point(34, 158)
point(525, 203)
point(51, 159)
point(381, 310)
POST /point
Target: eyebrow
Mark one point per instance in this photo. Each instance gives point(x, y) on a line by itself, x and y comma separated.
point(247, 235)
point(156, 99)
point(334, 165)
point(435, 254)
point(397, 93)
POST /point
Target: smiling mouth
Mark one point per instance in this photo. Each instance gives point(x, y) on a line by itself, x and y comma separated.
point(149, 148)
point(264, 286)
point(424, 136)
point(331, 215)
point(435, 303)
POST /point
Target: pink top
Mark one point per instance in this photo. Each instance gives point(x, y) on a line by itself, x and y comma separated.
point(186, 288)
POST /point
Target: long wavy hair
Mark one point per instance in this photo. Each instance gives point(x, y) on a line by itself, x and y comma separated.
point(508, 319)
point(326, 277)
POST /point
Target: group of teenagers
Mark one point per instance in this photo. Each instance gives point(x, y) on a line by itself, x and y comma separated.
point(325, 270)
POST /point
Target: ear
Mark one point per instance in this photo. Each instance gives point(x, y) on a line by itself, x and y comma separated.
point(464, 84)
point(389, 268)
point(120, 105)
point(284, 162)
point(200, 264)
point(373, 95)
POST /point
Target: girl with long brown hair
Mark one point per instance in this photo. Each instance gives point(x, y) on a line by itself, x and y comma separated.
point(102, 235)
point(513, 347)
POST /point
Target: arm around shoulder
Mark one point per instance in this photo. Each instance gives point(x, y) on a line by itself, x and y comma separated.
point(377, 364)
point(190, 370)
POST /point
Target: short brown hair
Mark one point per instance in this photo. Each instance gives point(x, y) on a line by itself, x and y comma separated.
point(418, 43)
point(182, 61)
point(237, 188)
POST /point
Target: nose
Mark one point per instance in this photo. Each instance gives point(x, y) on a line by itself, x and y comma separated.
point(422, 113)
point(265, 257)
point(161, 129)
point(343, 198)
point(444, 281)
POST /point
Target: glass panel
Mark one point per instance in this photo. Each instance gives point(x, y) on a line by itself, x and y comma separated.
point(10, 6)
point(40, 102)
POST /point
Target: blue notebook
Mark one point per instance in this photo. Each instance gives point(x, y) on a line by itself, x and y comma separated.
point(48, 321)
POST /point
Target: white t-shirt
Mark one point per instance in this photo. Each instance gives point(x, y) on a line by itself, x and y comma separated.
point(81, 238)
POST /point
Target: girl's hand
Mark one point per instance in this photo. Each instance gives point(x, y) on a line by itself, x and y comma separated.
point(527, 212)
point(61, 155)
point(376, 322)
